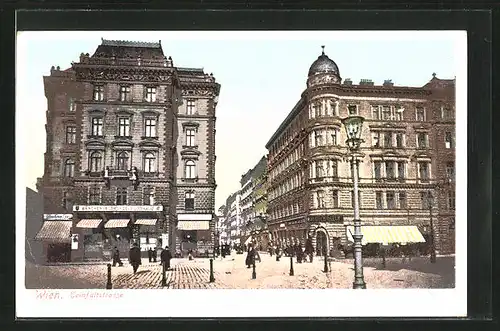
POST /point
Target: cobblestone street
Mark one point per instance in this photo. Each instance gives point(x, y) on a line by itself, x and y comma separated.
point(231, 273)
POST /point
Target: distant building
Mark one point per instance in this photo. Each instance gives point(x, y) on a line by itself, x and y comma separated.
point(130, 151)
point(408, 151)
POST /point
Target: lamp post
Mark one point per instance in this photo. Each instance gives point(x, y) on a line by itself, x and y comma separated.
point(353, 126)
point(430, 200)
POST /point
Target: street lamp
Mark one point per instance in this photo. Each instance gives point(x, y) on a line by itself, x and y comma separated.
point(429, 201)
point(353, 126)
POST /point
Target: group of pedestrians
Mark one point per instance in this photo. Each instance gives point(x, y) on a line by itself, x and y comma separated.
point(295, 250)
point(135, 257)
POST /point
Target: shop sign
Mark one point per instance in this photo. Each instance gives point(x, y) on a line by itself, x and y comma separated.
point(57, 217)
point(120, 208)
point(193, 225)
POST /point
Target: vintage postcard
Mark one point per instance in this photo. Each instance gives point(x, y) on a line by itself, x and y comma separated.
point(323, 168)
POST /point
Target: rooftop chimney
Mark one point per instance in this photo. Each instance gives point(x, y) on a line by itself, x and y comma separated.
point(347, 81)
point(366, 82)
point(388, 82)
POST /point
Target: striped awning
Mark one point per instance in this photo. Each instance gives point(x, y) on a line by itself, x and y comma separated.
point(117, 223)
point(89, 223)
point(55, 231)
point(193, 225)
point(144, 221)
point(387, 234)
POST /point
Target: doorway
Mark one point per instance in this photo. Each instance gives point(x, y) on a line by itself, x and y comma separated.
point(321, 243)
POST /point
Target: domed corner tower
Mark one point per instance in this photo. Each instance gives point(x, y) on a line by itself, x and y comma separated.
point(323, 71)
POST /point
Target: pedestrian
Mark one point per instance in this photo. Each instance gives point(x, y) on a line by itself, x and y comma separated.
point(165, 257)
point(116, 257)
point(135, 257)
point(309, 249)
point(250, 259)
point(150, 254)
point(155, 254)
point(299, 253)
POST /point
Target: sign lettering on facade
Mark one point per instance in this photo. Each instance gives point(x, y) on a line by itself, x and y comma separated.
point(193, 225)
point(57, 217)
point(121, 208)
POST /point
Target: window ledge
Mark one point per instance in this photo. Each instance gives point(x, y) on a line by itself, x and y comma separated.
point(91, 136)
point(123, 137)
point(149, 138)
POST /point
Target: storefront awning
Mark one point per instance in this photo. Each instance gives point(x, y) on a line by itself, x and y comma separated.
point(55, 231)
point(194, 217)
point(193, 225)
point(117, 223)
point(144, 221)
point(89, 223)
point(387, 234)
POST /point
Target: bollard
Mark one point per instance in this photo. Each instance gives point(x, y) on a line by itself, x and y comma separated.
point(212, 278)
point(164, 277)
point(109, 286)
point(291, 265)
point(254, 274)
point(325, 269)
point(383, 261)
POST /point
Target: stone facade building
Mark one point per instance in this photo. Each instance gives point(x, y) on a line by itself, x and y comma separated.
point(408, 151)
point(130, 151)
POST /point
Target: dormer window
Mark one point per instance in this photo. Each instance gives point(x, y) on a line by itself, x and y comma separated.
point(98, 92)
point(124, 93)
point(151, 94)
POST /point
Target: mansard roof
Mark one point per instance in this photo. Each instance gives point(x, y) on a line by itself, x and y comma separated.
point(124, 49)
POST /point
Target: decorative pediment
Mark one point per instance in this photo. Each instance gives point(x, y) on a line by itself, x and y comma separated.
point(95, 111)
point(93, 142)
point(421, 127)
point(122, 143)
point(190, 124)
point(125, 112)
point(150, 113)
point(190, 154)
point(150, 143)
point(422, 155)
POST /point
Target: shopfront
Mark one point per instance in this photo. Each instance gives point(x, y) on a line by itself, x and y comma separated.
point(55, 234)
point(101, 229)
point(194, 233)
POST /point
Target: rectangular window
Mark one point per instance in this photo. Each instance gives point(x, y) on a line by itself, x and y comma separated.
point(451, 200)
point(124, 127)
point(190, 108)
point(389, 170)
point(448, 140)
point(335, 169)
point(423, 168)
point(334, 137)
point(399, 111)
point(94, 195)
point(321, 199)
point(318, 138)
point(420, 114)
point(386, 113)
point(352, 109)
point(377, 169)
point(97, 126)
point(402, 200)
point(379, 200)
point(148, 196)
point(151, 94)
point(376, 112)
point(376, 139)
point(71, 134)
point(399, 140)
point(72, 105)
point(124, 93)
point(335, 198)
point(446, 113)
point(190, 137)
point(390, 199)
point(450, 171)
point(401, 170)
point(388, 139)
point(150, 127)
point(121, 195)
point(98, 92)
point(421, 140)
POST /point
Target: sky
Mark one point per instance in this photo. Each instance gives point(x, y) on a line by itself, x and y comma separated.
point(262, 75)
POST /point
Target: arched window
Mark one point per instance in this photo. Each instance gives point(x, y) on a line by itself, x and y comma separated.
point(149, 162)
point(122, 160)
point(95, 161)
point(69, 168)
point(190, 169)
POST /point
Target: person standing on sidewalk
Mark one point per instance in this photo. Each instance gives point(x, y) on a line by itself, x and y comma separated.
point(135, 257)
point(116, 257)
point(150, 254)
point(155, 254)
point(309, 249)
point(165, 257)
point(250, 259)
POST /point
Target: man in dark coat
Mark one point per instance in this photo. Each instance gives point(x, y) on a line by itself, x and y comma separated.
point(300, 254)
point(250, 259)
point(116, 257)
point(165, 257)
point(150, 254)
point(135, 257)
point(309, 249)
point(155, 254)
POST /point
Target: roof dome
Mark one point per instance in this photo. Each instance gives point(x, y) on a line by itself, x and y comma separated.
point(323, 65)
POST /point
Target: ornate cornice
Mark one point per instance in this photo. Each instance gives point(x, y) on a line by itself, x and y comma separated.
point(135, 74)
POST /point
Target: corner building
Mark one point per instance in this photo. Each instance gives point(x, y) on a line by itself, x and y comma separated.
point(408, 145)
point(130, 154)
